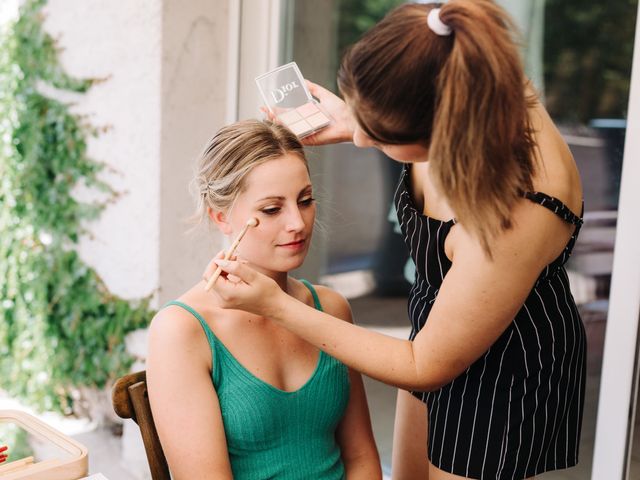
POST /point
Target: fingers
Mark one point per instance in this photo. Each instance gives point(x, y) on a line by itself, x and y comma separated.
point(324, 95)
point(310, 140)
point(314, 88)
point(217, 278)
point(237, 269)
point(268, 114)
point(211, 266)
point(233, 278)
point(228, 287)
point(243, 288)
point(325, 136)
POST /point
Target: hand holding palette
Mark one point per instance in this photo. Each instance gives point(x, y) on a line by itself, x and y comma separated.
point(288, 99)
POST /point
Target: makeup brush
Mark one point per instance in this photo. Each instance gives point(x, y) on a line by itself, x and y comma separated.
point(252, 222)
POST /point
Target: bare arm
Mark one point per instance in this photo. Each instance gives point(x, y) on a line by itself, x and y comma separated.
point(354, 433)
point(477, 301)
point(183, 400)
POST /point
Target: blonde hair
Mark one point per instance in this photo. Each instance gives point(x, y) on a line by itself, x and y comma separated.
point(462, 95)
point(233, 152)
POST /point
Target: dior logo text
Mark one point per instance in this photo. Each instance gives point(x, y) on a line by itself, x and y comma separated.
point(279, 93)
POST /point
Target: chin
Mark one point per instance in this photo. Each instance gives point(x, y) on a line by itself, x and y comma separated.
point(287, 266)
point(293, 263)
point(278, 266)
point(297, 265)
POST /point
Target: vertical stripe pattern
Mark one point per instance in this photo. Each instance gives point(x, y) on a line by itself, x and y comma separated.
point(517, 411)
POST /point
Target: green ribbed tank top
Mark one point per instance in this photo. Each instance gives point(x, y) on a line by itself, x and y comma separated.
point(274, 434)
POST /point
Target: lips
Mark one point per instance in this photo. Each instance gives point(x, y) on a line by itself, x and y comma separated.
point(296, 244)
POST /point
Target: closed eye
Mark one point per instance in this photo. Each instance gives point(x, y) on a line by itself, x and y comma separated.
point(270, 211)
point(307, 201)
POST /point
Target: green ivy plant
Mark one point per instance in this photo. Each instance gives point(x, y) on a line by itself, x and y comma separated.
point(60, 327)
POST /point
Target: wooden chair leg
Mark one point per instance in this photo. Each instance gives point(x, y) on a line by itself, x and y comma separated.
point(155, 455)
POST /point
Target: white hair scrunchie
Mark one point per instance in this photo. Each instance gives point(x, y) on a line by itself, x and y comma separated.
point(436, 25)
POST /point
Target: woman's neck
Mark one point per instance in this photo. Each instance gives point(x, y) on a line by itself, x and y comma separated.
point(281, 278)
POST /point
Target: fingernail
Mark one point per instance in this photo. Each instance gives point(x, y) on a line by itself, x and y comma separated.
point(222, 262)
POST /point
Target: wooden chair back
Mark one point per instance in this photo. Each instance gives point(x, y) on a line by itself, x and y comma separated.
point(131, 400)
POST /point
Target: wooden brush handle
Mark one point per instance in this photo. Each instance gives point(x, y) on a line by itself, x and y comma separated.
point(227, 256)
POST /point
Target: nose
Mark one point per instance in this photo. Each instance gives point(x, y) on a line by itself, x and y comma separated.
point(361, 139)
point(294, 220)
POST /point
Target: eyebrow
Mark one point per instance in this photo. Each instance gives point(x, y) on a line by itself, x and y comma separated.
point(269, 198)
point(279, 197)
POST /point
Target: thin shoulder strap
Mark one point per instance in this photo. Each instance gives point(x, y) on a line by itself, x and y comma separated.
point(205, 326)
point(314, 294)
point(556, 206)
point(216, 351)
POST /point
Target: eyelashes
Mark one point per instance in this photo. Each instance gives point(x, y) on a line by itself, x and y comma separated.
point(307, 202)
point(270, 211)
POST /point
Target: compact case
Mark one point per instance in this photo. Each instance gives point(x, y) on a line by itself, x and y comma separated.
point(288, 99)
point(50, 455)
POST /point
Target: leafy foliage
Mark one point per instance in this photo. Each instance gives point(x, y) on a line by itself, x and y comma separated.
point(60, 327)
point(356, 17)
point(588, 47)
point(588, 54)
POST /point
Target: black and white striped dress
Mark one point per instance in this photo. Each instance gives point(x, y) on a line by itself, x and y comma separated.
point(517, 411)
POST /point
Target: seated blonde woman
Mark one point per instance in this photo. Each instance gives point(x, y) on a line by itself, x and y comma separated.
point(235, 395)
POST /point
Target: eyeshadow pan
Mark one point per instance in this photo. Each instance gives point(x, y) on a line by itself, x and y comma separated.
point(307, 109)
point(288, 99)
point(318, 120)
point(300, 128)
point(289, 117)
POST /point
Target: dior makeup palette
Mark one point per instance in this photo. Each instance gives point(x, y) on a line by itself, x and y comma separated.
point(288, 99)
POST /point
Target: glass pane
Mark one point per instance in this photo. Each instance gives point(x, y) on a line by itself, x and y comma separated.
point(578, 54)
point(23, 443)
point(355, 248)
point(587, 68)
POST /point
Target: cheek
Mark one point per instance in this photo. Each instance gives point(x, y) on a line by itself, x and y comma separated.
point(406, 153)
point(256, 238)
point(309, 216)
point(398, 155)
point(360, 139)
point(264, 233)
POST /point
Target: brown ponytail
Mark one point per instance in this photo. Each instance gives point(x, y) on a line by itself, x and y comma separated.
point(462, 94)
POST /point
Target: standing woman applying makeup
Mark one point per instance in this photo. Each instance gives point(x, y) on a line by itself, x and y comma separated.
point(235, 395)
point(489, 203)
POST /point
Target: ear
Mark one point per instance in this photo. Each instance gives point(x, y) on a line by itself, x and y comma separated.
point(220, 219)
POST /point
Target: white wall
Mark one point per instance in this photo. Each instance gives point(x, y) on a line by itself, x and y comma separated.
point(193, 105)
point(120, 41)
point(165, 65)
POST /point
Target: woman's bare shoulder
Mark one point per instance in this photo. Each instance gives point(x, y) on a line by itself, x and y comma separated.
point(333, 302)
point(175, 326)
point(556, 173)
